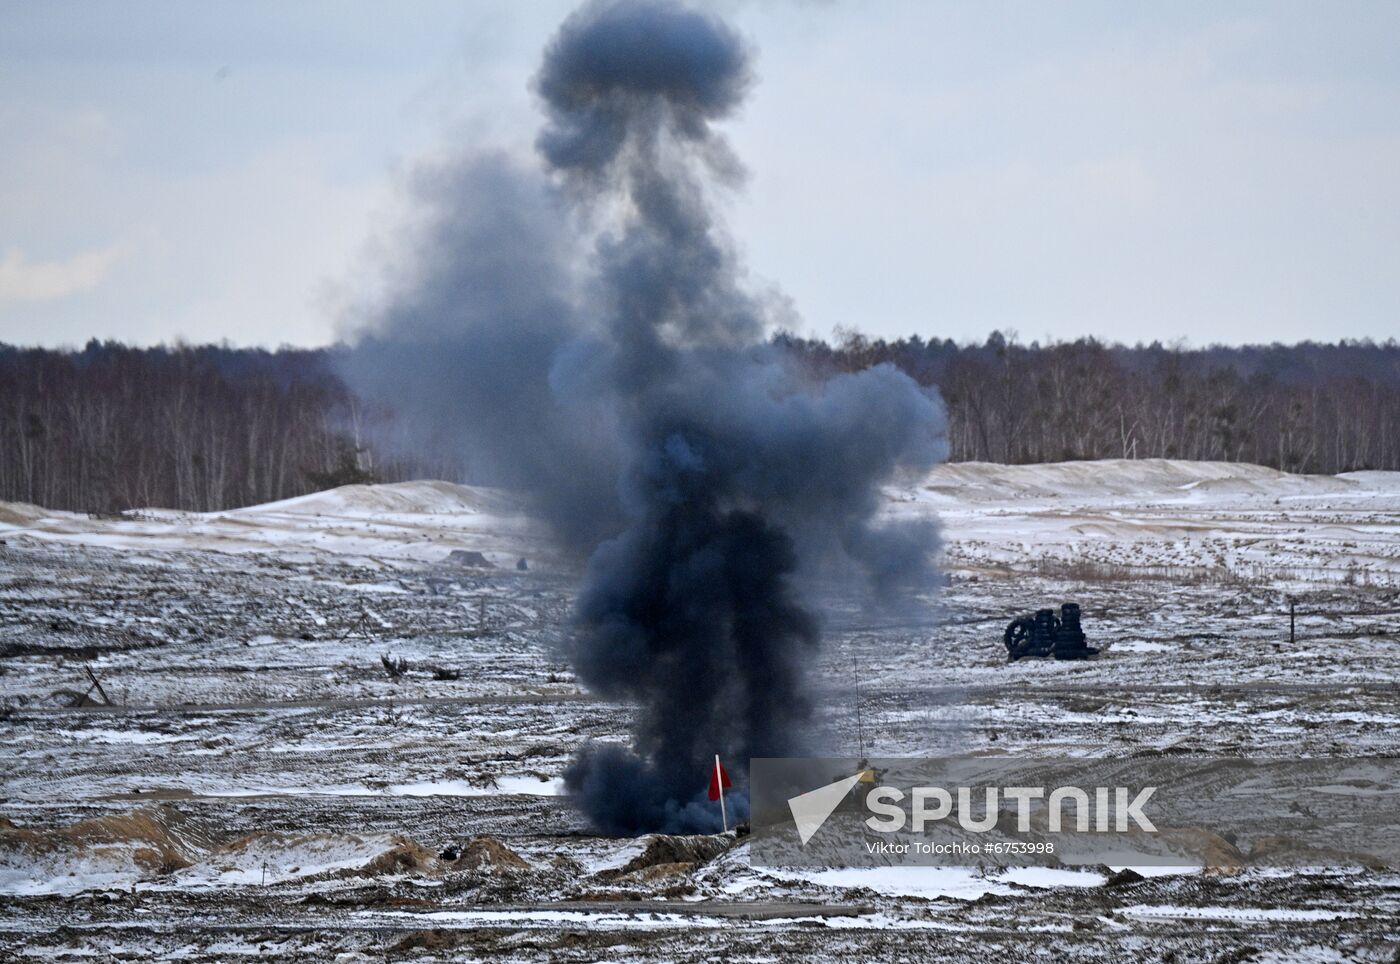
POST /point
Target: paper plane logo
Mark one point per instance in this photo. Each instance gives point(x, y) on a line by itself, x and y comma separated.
point(810, 809)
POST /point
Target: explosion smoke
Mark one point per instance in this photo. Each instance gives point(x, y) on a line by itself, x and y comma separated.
point(586, 336)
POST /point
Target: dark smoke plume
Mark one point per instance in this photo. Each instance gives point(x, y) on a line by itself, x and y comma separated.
point(585, 334)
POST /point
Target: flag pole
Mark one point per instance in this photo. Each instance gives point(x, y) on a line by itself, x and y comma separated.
point(719, 782)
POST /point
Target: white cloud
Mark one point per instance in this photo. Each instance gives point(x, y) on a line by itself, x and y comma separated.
point(23, 280)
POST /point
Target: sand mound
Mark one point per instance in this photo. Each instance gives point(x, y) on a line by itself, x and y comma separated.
point(1282, 851)
point(101, 851)
point(674, 853)
point(1210, 849)
point(985, 481)
point(426, 497)
point(278, 857)
point(415, 520)
point(488, 853)
point(20, 514)
point(121, 850)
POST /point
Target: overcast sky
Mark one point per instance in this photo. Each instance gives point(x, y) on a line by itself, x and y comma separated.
point(1219, 172)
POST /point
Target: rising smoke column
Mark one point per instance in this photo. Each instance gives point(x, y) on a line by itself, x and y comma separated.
point(731, 463)
point(714, 473)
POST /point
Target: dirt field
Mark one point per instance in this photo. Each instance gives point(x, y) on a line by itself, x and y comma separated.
point(261, 785)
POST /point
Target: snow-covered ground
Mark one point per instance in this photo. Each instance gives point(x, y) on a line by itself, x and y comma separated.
point(1220, 519)
point(1141, 514)
point(261, 783)
point(1215, 521)
point(418, 521)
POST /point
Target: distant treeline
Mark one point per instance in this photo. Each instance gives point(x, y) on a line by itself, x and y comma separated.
point(112, 427)
point(1305, 408)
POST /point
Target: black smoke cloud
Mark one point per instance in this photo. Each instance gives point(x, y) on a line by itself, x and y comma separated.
point(583, 332)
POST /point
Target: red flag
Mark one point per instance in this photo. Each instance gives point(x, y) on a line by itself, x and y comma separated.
point(718, 778)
